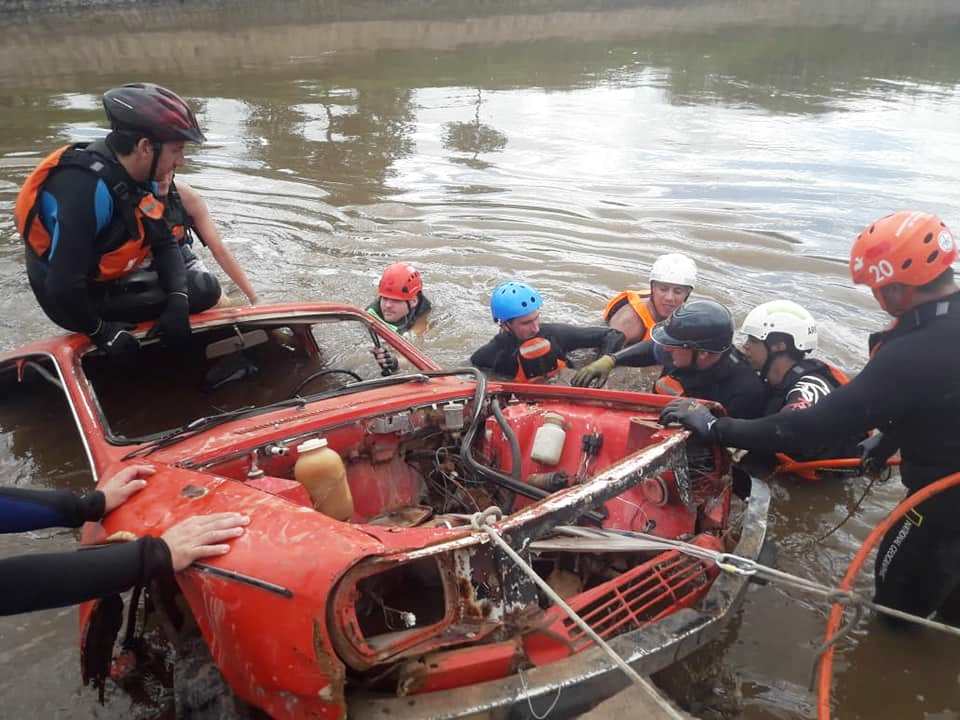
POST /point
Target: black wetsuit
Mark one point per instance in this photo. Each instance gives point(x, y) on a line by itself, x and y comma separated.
point(83, 218)
point(910, 390)
point(49, 580)
point(730, 382)
point(805, 384)
point(501, 356)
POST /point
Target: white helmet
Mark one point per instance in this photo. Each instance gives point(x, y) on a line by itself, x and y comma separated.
point(675, 269)
point(782, 316)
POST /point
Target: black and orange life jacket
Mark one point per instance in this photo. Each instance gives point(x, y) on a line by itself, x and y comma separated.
point(126, 242)
point(811, 366)
point(833, 378)
point(538, 360)
point(178, 219)
point(638, 302)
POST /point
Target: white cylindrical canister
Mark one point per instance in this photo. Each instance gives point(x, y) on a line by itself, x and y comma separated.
point(549, 440)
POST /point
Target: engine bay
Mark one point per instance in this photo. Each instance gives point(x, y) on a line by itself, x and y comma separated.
point(413, 468)
point(429, 469)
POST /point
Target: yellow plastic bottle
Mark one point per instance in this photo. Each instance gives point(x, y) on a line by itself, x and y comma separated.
point(321, 471)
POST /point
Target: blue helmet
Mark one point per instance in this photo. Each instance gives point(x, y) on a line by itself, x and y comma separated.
point(512, 300)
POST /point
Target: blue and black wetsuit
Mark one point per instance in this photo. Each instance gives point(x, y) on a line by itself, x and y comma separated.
point(85, 220)
point(49, 580)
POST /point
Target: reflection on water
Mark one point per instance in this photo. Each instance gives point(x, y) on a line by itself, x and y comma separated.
point(568, 149)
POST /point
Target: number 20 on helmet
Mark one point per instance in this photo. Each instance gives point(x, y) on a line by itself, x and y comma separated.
point(908, 247)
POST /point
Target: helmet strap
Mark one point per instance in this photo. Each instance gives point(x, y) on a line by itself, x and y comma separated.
point(907, 294)
point(772, 356)
point(157, 148)
point(411, 314)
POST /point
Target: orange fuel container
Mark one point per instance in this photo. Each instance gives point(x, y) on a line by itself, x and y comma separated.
point(321, 471)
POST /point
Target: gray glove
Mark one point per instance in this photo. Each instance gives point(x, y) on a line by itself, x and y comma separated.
point(874, 453)
point(692, 415)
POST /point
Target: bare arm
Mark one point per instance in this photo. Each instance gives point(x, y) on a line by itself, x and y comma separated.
point(198, 211)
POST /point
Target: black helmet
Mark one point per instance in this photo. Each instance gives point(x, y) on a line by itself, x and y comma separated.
point(699, 325)
point(158, 113)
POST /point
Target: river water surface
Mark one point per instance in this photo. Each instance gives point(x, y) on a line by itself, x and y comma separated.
point(568, 150)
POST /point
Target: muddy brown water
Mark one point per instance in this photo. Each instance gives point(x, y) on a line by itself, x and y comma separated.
point(567, 149)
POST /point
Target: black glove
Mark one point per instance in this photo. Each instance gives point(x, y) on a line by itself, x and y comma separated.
point(874, 453)
point(386, 360)
point(692, 415)
point(116, 340)
point(173, 325)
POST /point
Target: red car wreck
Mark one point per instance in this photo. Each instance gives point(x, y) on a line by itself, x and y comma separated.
point(401, 608)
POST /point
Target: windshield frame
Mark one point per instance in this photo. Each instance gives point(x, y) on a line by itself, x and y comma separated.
point(249, 320)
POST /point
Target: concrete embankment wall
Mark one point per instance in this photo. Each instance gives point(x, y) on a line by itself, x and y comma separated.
point(48, 41)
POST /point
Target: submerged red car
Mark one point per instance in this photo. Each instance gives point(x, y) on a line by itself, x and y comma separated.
point(367, 593)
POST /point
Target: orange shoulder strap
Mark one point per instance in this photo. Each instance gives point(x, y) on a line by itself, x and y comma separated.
point(638, 301)
point(839, 375)
point(26, 206)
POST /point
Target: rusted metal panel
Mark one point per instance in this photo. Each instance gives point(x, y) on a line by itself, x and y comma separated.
point(468, 666)
point(590, 674)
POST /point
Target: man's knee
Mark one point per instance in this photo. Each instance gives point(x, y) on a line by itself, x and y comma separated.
point(204, 291)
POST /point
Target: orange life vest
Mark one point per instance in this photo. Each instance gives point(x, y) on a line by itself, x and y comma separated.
point(669, 385)
point(537, 360)
point(638, 301)
point(127, 246)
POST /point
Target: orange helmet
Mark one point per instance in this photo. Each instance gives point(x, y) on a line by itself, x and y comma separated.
point(400, 281)
point(908, 247)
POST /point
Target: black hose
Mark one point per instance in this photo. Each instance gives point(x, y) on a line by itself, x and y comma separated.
point(511, 437)
point(498, 478)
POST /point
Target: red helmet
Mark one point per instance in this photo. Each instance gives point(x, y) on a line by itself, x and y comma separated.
point(158, 113)
point(909, 247)
point(401, 281)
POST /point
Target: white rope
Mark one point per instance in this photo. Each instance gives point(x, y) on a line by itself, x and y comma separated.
point(481, 521)
point(526, 691)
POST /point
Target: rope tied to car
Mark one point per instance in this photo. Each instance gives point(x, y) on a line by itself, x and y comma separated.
point(745, 567)
point(731, 563)
point(484, 522)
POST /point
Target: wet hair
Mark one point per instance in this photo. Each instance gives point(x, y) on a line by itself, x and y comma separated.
point(940, 282)
point(775, 337)
point(123, 142)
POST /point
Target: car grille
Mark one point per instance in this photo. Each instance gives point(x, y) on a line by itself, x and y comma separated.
point(640, 596)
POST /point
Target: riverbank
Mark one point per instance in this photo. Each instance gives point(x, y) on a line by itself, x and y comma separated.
point(108, 37)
